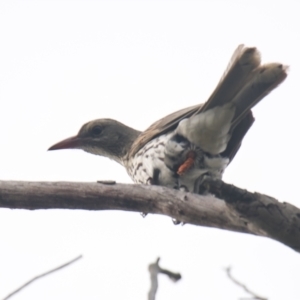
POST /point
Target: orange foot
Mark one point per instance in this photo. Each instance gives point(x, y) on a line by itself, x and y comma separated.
point(188, 163)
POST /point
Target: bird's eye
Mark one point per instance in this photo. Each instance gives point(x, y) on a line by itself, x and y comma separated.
point(96, 130)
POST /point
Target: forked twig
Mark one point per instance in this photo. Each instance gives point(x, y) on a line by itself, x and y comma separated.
point(154, 270)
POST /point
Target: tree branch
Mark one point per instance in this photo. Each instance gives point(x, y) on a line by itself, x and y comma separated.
point(242, 212)
point(280, 221)
point(243, 286)
point(40, 276)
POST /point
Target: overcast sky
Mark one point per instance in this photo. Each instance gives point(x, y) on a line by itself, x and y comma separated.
point(63, 63)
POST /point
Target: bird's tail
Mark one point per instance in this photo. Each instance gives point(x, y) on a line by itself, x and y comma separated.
point(245, 82)
point(243, 85)
point(264, 79)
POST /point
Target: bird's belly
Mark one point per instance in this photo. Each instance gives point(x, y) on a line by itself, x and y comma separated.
point(148, 166)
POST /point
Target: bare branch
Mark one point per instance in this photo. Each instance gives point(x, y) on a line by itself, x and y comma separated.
point(173, 276)
point(281, 221)
point(40, 276)
point(154, 270)
point(243, 286)
point(242, 212)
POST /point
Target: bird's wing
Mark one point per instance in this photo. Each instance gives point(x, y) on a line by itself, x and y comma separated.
point(162, 126)
point(244, 83)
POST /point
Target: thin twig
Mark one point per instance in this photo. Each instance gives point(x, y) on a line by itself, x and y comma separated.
point(41, 275)
point(243, 286)
point(154, 270)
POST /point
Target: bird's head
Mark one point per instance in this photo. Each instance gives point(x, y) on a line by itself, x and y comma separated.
point(105, 137)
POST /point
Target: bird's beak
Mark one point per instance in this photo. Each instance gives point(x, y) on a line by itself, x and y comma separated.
point(70, 143)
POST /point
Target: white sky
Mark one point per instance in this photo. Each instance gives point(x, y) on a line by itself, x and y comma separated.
point(63, 63)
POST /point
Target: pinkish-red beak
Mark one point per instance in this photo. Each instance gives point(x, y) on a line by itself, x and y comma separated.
point(70, 143)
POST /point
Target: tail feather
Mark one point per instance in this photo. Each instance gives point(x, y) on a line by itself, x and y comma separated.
point(242, 86)
point(264, 79)
point(239, 71)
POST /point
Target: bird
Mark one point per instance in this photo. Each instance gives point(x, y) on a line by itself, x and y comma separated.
point(184, 148)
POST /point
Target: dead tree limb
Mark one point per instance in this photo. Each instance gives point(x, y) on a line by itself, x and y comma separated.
point(281, 221)
point(240, 210)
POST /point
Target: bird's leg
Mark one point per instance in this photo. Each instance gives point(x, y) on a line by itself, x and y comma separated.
point(188, 163)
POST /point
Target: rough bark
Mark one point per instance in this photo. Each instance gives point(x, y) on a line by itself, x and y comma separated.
point(234, 209)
